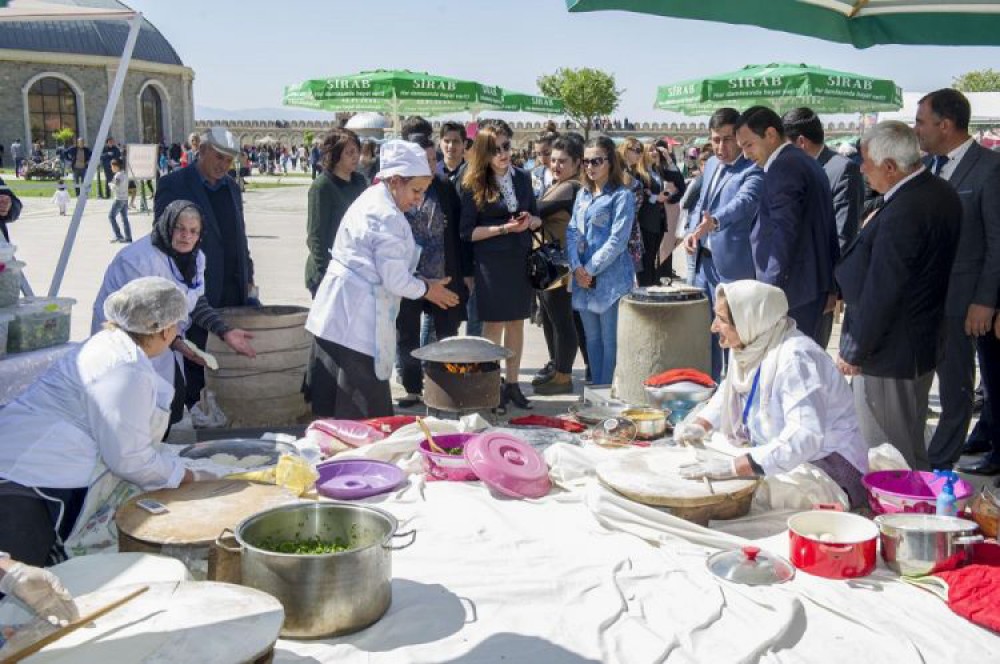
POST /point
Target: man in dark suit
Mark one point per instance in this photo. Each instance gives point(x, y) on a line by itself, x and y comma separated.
point(10, 209)
point(942, 127)
point(717, 236)
point(795, 240)
point(228, 267)
point(804, 129)
point(894, 278)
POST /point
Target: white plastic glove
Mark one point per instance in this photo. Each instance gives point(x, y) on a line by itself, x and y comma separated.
point(713, 469)
point(690, 432)
point(41, 590)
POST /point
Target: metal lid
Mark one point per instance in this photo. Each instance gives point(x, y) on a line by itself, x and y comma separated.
point(614, 431)
point(667, 293)
point(462, 349)
point(750, 566)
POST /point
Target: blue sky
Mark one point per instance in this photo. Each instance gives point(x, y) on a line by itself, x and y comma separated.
point(244, 51)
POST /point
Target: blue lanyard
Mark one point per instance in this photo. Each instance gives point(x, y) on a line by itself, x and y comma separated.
point(753, 393)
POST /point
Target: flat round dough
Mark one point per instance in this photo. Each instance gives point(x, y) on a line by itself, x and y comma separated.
point(652, 476)
point(189, 621)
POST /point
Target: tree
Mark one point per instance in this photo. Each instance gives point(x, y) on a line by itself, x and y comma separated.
point(587, 94)
point(978, 80)
point(308, 137)
point(63, 136)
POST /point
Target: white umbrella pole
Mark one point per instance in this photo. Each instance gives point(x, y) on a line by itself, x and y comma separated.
point(102, 134)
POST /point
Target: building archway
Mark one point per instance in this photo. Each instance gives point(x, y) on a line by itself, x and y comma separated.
point(153, 108)
point(52, 101)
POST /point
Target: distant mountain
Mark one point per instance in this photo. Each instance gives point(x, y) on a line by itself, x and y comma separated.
point(278, 113)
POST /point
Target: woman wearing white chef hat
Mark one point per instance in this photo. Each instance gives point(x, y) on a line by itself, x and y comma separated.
point(372, 262)
point(782, 396)
point(90, 422)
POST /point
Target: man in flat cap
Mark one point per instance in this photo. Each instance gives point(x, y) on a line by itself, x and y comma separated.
point(228, 266)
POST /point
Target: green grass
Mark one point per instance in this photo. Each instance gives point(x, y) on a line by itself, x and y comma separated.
point(44, 188)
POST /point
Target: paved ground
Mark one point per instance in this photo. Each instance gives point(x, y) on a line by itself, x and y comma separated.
point(276, 221)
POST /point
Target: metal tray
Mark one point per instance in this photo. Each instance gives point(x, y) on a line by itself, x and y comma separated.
point(592, 415)
point(240, 448)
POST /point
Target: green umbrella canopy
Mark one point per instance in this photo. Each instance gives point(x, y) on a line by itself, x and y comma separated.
point(781, 87)
point(517, 101)
point(394, 91)
point(862, 23)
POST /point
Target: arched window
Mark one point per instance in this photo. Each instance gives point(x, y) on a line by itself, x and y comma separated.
point(52, 106)
point(152, 115)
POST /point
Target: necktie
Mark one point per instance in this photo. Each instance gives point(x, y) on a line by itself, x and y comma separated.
point(939, 163)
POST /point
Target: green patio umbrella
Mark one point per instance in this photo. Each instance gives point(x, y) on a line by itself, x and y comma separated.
point(781, 86)
point(396, 92)
point(517, 101)
point(862, 23)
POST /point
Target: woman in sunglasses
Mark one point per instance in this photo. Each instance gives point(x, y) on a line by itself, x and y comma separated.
point(498, 208)
point(651, 215)
point(597, 243)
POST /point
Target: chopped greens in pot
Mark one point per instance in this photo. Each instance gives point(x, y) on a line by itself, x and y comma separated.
point(311, 546)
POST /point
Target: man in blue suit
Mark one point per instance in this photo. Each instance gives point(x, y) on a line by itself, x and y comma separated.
point(795, 240)
point(717, 237)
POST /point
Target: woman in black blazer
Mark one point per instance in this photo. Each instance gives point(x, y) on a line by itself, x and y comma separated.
point(498, 208)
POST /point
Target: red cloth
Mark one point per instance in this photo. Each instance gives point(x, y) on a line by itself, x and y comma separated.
point(974, 590)
point(550, 422)
point(390, 424)
point(678, 376)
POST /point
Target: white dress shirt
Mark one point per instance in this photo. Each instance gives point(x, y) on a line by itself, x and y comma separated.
point(954, 159)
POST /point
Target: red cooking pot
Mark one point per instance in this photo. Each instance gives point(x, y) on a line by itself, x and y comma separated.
point(836, 545)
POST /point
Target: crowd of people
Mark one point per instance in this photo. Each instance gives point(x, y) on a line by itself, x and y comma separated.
point(780, 231)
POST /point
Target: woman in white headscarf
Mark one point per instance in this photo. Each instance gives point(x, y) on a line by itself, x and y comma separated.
point(783, 396)
point(372, 263)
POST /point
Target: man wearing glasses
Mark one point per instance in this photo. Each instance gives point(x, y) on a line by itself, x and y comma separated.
point(717, 238)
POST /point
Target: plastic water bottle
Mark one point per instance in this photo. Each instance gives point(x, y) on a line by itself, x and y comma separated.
point(946, 503)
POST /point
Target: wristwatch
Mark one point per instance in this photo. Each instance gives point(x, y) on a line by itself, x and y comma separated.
point(503, 229)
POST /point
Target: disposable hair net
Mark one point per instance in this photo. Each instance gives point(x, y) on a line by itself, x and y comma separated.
point(146, 305)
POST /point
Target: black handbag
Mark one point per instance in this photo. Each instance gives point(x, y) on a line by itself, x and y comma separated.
point(547, 262)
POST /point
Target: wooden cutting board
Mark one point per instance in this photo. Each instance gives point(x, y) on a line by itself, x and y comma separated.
point(186, 621)
point(199, 511)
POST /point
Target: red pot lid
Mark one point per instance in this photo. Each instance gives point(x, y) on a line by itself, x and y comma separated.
point(509, 465)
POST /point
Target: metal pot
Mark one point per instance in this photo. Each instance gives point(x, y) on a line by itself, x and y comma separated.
point(920, 544)
point(836, 545)
point(326, 594)
point(650, 423)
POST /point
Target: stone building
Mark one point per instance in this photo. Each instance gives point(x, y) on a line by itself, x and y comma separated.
point(56, 75)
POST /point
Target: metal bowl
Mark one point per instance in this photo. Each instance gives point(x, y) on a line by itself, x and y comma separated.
point(650, 423)
point(678, 402)
point(920, 544)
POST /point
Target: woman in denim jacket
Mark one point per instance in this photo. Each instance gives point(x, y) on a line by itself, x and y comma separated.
point(596, 243)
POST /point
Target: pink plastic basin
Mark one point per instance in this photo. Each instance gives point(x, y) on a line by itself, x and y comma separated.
point(446, 466)
point(895, 491)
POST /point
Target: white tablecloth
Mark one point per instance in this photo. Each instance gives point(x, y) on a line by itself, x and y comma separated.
point(491, 579)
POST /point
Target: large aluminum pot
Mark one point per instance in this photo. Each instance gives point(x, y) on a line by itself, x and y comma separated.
point(919, 544)
point(327, 594)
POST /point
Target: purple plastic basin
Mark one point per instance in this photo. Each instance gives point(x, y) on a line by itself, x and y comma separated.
point(352, 479)
point(894, 491)
point(448, 466)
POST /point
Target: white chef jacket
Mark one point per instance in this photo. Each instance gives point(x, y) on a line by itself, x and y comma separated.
point(96, 403)
point(810, 415)
point(142, 259)
point(374, 249)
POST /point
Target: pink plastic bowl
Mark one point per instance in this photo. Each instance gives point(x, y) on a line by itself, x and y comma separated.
point(895, 491)
point(447, 466)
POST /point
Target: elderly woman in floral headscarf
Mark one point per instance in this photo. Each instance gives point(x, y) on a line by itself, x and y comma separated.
point(783, 397)
point(172, 251)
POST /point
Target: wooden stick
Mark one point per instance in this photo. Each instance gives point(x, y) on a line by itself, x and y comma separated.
point(63, 631)
point(430, 438)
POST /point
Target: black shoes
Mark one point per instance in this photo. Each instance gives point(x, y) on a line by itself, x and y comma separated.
point(409, 401)
point(976, 447)
point(544, 374)
point(511, 393)
point(985, 467)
